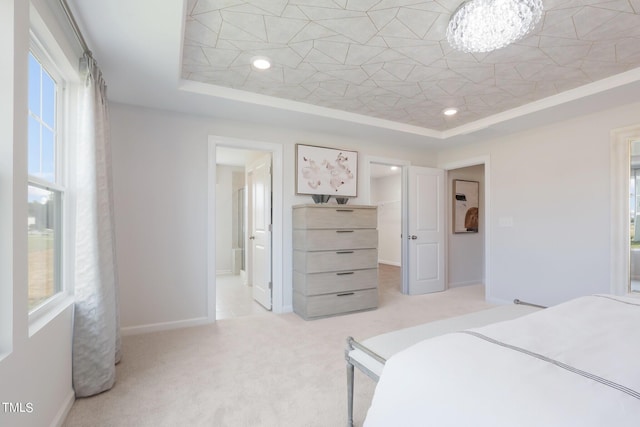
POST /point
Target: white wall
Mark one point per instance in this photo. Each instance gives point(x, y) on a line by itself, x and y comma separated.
point(386, 193)
point(34, 367)
point(553, 184)
point(160, 191)
point(465, 262)
point(160, 198)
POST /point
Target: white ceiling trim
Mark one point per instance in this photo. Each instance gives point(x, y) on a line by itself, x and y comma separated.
point(301, 107)
point(596, 87)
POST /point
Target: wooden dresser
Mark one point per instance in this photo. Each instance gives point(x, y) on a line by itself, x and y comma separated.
point(335, 259)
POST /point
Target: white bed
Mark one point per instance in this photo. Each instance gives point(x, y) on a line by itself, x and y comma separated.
point(575, 364)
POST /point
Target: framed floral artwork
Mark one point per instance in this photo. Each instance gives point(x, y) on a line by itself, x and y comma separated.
point(326, 171)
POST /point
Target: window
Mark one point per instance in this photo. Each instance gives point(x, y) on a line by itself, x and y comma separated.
point(634, 211)
point(634, 205)
point(45, 195)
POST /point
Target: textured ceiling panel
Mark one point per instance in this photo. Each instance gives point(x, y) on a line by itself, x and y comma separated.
point(389, 59)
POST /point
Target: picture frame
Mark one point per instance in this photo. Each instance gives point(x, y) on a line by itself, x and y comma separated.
point(466, 205)
point(326, 171)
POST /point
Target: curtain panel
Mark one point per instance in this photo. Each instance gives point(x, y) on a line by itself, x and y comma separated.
point(96, 339)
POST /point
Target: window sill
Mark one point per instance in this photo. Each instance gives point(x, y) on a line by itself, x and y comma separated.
point(44, 314)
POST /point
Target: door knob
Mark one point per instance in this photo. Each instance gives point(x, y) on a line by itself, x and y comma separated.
point(413, 237)
point(252, 237)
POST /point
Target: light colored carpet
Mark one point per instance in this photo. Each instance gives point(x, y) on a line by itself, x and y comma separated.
point(258, 370)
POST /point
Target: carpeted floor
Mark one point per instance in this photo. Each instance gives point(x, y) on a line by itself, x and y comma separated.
point(259, 370)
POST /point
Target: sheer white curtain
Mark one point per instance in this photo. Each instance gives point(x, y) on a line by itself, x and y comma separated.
point(96, 339)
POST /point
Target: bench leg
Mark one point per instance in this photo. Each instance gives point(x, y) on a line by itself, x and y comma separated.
point(349, 394)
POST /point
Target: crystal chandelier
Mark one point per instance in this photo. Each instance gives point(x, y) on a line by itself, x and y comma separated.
point(486, 25)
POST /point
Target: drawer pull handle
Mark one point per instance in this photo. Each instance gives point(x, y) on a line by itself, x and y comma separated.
point(344, 252)
point(344, 231)
point(346, 294)
point(344, 210)
point(344, 273)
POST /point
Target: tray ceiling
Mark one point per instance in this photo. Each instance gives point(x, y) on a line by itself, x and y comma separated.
point(389, 59)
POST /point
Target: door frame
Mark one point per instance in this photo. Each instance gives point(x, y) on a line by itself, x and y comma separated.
point(620, 263)
point(277, 155)
point(475, 161)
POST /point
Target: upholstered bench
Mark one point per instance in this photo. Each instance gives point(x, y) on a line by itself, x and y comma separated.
point(371, 354)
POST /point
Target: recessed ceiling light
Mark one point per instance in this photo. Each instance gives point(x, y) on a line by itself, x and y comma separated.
point(450, 111)
point(394, 168)
point(261, 63)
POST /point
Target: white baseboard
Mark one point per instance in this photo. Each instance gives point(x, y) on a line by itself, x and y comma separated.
point(164, 326)
point(397, 264)
point(221, 272)
point(468, 283)
point(58, 420)
point(498, 301)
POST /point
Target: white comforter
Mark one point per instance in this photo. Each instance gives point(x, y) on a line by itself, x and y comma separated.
point(576, 364)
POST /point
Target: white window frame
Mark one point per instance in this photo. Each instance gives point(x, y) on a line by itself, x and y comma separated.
point(45, 48)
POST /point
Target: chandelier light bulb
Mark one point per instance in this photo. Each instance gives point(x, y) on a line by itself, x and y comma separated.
point(487, 25)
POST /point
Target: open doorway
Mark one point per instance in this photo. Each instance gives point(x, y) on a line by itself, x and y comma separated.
point(421, 234)
point(621, 212)
point(634, 215)
point(459, 253)
point(466, 250)
point(274, 266)
point(393, 223)
point(385, 192)
point(235, 219)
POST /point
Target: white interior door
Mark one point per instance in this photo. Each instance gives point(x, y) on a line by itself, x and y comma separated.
point(260, 236)
point(425, 236)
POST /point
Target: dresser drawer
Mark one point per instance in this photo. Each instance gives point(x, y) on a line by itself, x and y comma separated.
point(342, 260)
point(334, 217)
point(334, 282)
point(323, 240)
point(328, 305)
